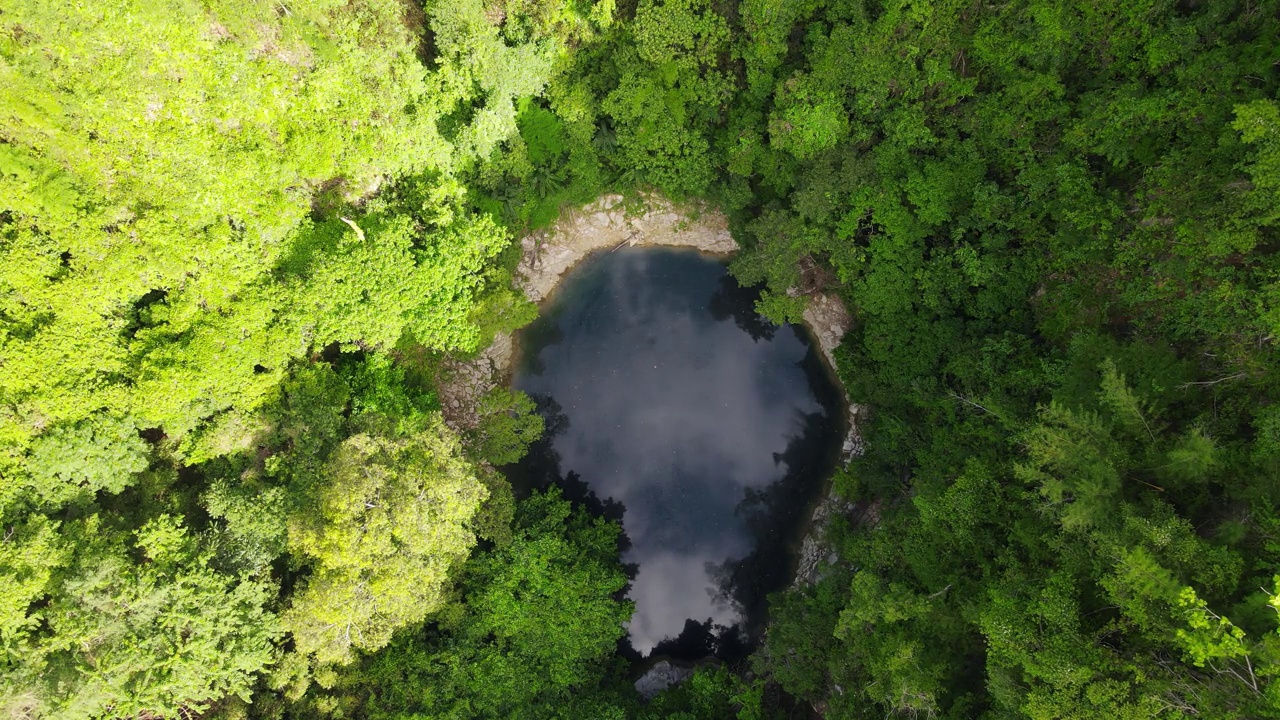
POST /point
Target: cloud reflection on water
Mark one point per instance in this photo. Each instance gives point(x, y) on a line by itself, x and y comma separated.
point(680, 402)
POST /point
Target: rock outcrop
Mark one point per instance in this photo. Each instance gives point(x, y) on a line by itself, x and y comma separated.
point(828, 320)
point(605, 225)
point(660, 677)
point(816, 554)
point(463, 382)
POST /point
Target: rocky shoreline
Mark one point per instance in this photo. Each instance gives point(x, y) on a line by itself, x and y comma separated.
point(606, 225)
point(828, 320)
point(548, 255)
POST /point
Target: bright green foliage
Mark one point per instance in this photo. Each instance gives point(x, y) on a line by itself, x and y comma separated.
point(125, 639)
point(236, 239)
point(29, 556)
point(1044, 664)
point(1209, 637)
point(508, 424)
point(1259, 125)
point(904, 674)
point(1128, 408)
point(159, 165)
point(198, 199)
point(426, 291)
point(529, 637)
point(99, 453)
point(807, 122)
point(1074, 465)
point(491, 54)
point(682, 33)
point(391, 519)
point(502, 55)
point(670, 90)
point(543, 133)
point(151, 98)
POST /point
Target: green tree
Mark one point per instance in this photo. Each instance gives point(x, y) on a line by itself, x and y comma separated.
point(73, 463)
point(530, 636)
point(670, 94)
point(508, 424)
point(390, 520)
point(124, 639)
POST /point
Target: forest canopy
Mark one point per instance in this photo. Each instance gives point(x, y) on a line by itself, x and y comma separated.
point(240, 243)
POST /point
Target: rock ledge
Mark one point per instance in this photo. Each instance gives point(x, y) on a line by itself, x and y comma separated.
point(605, 224)
point(660, 677)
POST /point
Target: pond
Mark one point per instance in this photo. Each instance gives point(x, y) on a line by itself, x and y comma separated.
point(708, 431)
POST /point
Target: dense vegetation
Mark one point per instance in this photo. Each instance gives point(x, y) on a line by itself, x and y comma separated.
point(239, 240)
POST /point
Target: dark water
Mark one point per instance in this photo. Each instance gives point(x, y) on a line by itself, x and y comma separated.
point(708, 431)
